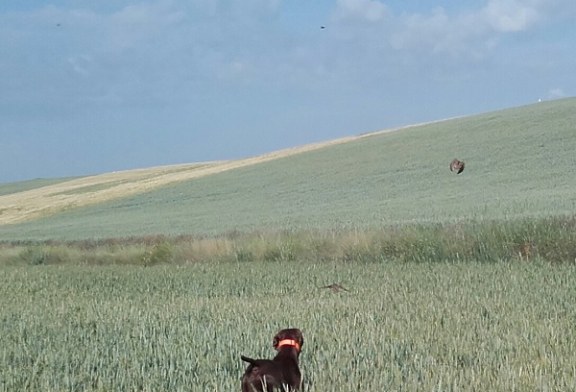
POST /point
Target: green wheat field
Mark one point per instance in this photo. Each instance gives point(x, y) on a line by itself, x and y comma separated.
point(455, 282)
point(402, 327)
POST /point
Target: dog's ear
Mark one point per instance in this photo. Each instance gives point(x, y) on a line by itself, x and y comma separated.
point(297, 335)
point(275, 342)
point(278, 337)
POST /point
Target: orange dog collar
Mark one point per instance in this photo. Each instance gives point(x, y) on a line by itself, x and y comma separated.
point(289, 342)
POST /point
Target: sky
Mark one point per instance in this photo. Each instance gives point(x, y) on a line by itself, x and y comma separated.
point(89, 87)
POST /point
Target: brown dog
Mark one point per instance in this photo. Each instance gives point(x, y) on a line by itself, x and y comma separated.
point(282, 372)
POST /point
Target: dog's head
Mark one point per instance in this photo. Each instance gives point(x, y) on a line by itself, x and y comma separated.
point(291, 337)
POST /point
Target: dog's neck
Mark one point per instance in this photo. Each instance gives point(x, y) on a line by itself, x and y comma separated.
point(288, 357)
point(288, 343)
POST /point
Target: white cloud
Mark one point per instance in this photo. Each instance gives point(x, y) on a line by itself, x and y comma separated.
point(81, 64)
point(512, 15)
point(138, 25)
point(556, 93)
point(474, 31)
point(441, 33)
point(367, 10)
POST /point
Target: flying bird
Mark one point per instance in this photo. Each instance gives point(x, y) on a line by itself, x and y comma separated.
point(457, 166)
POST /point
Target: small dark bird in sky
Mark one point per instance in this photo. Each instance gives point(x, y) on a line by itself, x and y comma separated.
point(335, 287)
point(322, 27)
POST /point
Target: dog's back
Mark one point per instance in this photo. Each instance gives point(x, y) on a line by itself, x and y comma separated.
point(260, 374)
point(282, 372)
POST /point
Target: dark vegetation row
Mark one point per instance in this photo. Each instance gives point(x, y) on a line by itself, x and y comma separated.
point(550, 240)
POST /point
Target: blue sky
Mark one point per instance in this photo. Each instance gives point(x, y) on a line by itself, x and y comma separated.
point(89, 87)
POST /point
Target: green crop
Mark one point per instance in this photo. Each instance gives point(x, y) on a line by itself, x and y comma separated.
point(401, 327)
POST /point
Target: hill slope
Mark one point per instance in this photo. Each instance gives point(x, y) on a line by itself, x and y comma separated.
point(24, 201)
point(519, 164)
